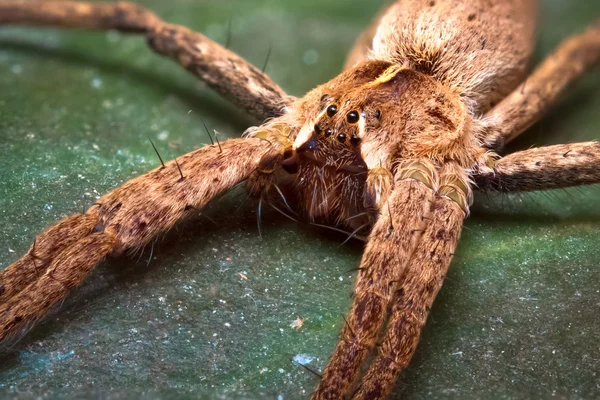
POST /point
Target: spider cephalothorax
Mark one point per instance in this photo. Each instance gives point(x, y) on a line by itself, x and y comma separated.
point(349, 135)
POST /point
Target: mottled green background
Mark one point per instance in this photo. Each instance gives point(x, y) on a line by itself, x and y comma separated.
point(517, 318)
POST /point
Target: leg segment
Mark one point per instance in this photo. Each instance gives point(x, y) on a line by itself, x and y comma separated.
point(53, 241)
point(125, 219)
point(526, 104)
point(65, 272)
point(224, 71)
point(543, 168)
point(416, 292)
point(389, 248)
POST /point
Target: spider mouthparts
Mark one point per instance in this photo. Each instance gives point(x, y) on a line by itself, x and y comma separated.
point(310, 144)
point(290, 164)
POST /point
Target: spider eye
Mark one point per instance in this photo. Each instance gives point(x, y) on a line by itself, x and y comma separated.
point(352, 117)
point(354, 140)
point(328, 132)
point(341, 137)
point(331, 111)
point(377, 114)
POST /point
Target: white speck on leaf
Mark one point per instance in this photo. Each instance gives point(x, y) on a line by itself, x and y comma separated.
point(164, 135)
point(303, 359)
point(96, 83)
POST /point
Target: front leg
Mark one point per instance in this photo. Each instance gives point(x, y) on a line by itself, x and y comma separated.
point(414, 234)
point(125, 219)
point(419, 285)
point(397, 233)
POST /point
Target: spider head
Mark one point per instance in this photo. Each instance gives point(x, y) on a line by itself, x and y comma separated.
point(370, 117)
point(381, 112)
point(335, 116)
point(342, 128)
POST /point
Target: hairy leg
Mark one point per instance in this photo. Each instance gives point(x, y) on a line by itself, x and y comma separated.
point(543, 168)
point(223, 70)
point(417, 289)
point(526, 104)
point(395, 235)
point(127, 218)
point(374, 286)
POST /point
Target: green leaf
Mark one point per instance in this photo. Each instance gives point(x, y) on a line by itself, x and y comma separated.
point(208, 310)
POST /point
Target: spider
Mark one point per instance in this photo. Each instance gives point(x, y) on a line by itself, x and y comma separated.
point(415, 193)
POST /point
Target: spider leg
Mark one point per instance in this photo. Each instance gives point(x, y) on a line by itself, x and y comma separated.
point(389, 248)
point(526, 104)
point(127, 218)
point(543, 168)
point(415, 293)
point(66, 271)
point(35, 262)
point(224, 71)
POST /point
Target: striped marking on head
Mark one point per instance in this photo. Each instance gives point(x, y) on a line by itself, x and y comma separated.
point(387, 75)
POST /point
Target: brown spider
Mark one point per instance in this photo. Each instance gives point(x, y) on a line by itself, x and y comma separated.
point(393, 146)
